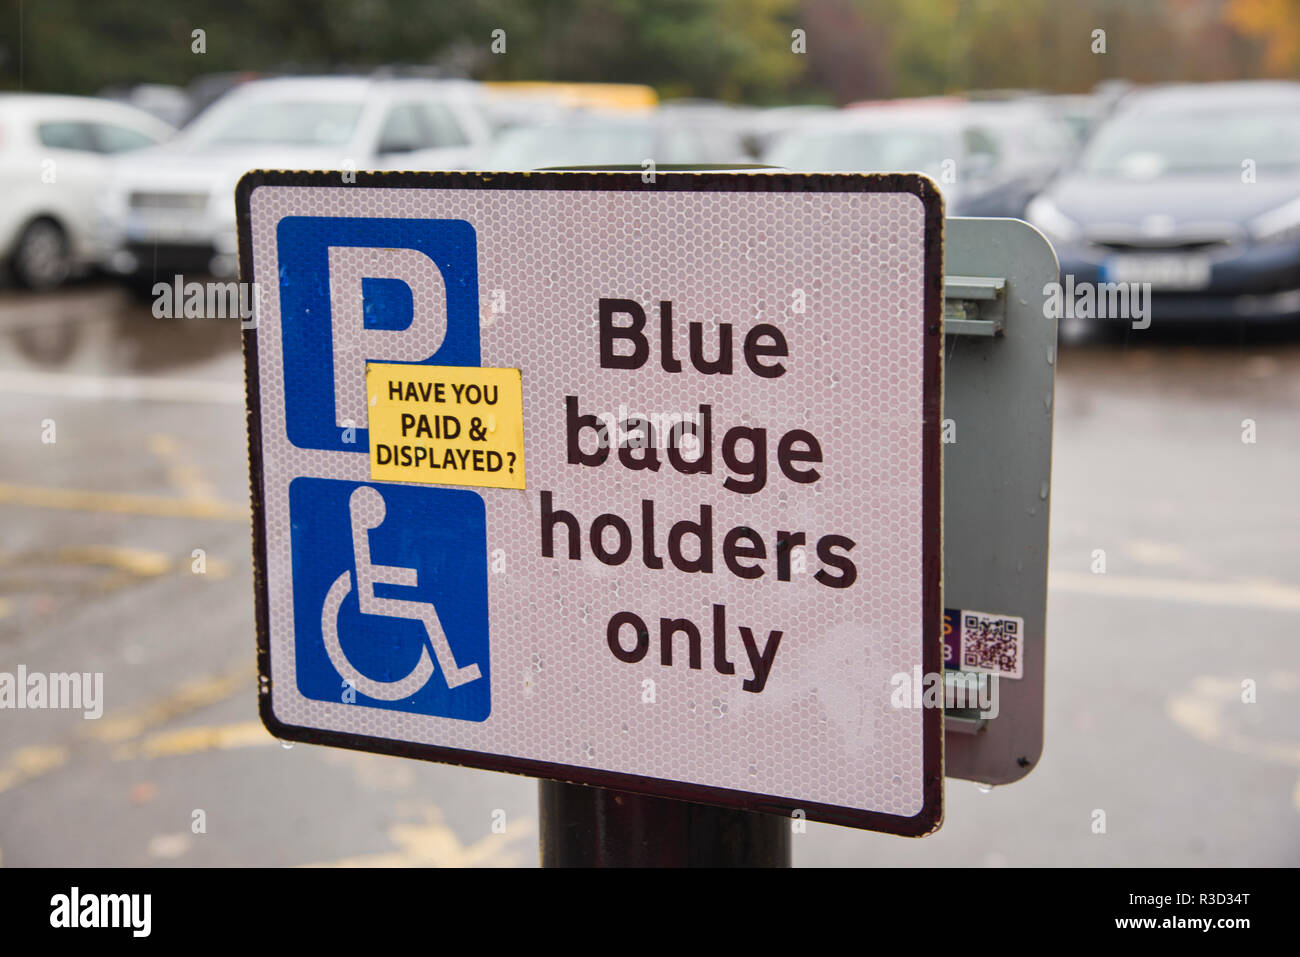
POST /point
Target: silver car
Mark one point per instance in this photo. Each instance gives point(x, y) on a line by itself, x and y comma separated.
point(171, 210)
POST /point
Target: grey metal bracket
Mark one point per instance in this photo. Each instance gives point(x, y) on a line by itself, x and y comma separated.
point(960, 724)
point(999, 373)
point(974, 306)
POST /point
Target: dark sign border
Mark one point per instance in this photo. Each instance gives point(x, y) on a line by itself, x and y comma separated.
point(930, 816)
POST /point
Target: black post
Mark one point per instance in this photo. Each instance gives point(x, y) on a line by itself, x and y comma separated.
point(596, 827)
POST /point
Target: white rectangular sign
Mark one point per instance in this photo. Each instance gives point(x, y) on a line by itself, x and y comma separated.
point(628, 483)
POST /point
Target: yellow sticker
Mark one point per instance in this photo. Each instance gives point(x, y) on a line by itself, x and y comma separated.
point(446, 425)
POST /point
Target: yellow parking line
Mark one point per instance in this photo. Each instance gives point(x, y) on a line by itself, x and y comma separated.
point(139, 562)
point(190, 696)
point(1200, 710)
point(434, 844)
point(124, 503)
point(31, 762)
point(168, 744)
point(122, 566)
point(184, 476)
point(430, 843)
point(28, 763)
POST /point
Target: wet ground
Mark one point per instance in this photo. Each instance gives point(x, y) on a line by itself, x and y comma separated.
point(124, 505)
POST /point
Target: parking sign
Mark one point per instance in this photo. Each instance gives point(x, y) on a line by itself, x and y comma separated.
point(625, 480)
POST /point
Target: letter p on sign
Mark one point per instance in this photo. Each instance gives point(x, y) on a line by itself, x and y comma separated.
point(387, 288)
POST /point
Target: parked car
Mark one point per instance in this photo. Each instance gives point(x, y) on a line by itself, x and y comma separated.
point(1194, 189)
point(172, 209)
point(54, 161)
point(1081, 112)
point(616, 139)
point(1030, 143)
point(765, 126)
point(171, 104)
point(731, 119)
point(987, 158)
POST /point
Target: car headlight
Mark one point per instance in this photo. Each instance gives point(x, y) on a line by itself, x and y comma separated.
point(1055, 225)
point(1277, 225)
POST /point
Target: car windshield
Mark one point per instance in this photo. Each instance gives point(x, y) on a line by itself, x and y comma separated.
point(866, 150)
point(594, 145)
point(1146, 146)
point(1032, 137)
point(280, 122)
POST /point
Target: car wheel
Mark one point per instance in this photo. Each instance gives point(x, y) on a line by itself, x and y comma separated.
point(42, 259)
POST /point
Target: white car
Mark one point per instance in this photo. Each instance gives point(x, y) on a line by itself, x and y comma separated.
point(171, 210)
point(54, 163)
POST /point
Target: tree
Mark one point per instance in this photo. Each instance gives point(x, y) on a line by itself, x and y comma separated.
point(1274, 22)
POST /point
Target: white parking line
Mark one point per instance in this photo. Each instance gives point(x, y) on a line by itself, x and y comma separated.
point(1258, 593)
point(124, 388)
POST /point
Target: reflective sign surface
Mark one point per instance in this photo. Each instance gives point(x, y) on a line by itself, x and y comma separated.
point(720, 579)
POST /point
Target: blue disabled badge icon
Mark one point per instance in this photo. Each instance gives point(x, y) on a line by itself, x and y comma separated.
point(390, 597)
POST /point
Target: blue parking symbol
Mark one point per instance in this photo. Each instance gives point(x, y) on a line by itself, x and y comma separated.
point(307, 320)
point(390, 596)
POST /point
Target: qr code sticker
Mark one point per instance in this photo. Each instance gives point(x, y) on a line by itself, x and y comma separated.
point(992, 644)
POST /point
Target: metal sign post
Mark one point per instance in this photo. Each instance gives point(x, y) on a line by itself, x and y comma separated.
point(596, 827)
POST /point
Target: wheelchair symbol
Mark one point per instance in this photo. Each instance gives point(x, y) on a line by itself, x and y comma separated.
point(367, 510)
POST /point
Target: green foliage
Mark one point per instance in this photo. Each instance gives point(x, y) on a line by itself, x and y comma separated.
point(730, 49)
point(737, 48)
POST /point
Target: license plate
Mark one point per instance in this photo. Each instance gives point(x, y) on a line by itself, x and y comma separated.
point(1163, 271)
point(156, 227)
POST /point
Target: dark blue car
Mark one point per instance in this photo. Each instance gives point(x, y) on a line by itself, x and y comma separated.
point(1194, 190)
